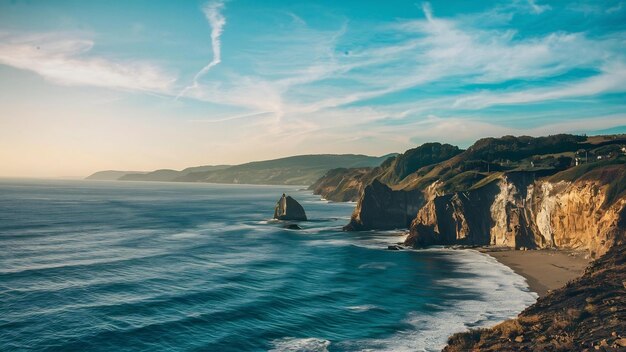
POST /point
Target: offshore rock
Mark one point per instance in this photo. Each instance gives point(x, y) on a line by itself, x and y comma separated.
point(288, 208)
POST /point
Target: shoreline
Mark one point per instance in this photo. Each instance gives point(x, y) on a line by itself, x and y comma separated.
point(544, 270)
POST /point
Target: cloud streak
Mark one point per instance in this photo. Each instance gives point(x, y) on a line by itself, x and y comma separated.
point(217, 21)
point(64, 59)
point(538, 9)
point(320, 80)
point(612, 79)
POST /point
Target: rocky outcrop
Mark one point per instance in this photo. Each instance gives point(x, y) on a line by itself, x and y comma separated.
point(381, 207)
point(342, 185)
point(458, 218)
point(288, 208)
point(518, 210)
point(521, 192)
point(348, 184)
point(588, 314)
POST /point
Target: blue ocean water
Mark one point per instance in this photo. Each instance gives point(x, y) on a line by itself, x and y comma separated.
point(116, 266)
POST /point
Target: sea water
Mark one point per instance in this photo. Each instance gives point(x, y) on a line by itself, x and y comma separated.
point(134, 266)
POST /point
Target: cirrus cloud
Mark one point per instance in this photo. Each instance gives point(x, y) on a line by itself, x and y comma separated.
point(64, 59)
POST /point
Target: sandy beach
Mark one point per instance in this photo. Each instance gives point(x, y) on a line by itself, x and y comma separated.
point(543, 269)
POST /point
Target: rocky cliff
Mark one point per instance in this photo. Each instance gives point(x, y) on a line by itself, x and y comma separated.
point(342, 185)
point(348, 184)
point(588, 314)
point(381, 207)
point(523, 211)
point(520, 192)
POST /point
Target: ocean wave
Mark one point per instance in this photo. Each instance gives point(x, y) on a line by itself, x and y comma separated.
point(292, 344)
point(184, 235)
point(363, 308)
point(499, 294)
point(377, 265)
point(238, 283)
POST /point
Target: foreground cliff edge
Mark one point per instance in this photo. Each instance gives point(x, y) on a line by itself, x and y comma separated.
point(561, 192)
point(587, 314)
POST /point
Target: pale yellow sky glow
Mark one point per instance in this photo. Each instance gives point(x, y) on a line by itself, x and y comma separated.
point(60, 131)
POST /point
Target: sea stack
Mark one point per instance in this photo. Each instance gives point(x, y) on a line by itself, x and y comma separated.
point(288, 208)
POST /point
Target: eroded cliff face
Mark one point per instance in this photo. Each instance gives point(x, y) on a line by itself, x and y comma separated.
point(457, 218)
point(380, 207)
point(518, 211)
point(575, 215)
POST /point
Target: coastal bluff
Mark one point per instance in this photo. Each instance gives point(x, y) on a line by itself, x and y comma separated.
point(513, 211)
point(288, 208)
point(561, 191)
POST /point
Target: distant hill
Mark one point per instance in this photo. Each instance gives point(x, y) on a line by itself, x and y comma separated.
point(167, 175)
point(111, 175)
point(294, 170)
point(158, 175)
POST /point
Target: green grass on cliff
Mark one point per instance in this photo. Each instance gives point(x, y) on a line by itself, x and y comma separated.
point(463, 181)
point(607, 172)
point(574, 173)
point(487, 180)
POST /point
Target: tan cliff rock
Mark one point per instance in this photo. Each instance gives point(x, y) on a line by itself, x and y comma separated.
point(516, 212)
point(521, 192)
point(575, 215)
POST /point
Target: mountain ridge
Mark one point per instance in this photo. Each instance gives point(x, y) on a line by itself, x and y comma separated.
point(292, 170)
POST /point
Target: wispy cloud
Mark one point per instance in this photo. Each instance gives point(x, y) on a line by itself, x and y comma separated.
point(65, 59)
point(428, 11)
point(232, 117)
point(536, 8)
point(616, 8)
point(213, 13)
point(312, 78)
point(612, 79)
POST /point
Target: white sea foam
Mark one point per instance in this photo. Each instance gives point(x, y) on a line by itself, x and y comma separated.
point(363, 308)
point(377, 265)
point(329, 242)
point(322, 200)
point(184, 235)
point(501, 294)
point(292, 344)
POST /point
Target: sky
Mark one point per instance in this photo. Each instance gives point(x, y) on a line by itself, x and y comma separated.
point(146, 84)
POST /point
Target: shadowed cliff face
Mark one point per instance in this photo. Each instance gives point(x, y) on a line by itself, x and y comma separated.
point(382, 208)
point(586, 314)
point(458, 218)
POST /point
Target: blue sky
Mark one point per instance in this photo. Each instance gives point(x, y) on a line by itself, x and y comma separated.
point(140, 85)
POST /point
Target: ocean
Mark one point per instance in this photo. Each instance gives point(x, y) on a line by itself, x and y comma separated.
point(134, 266)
